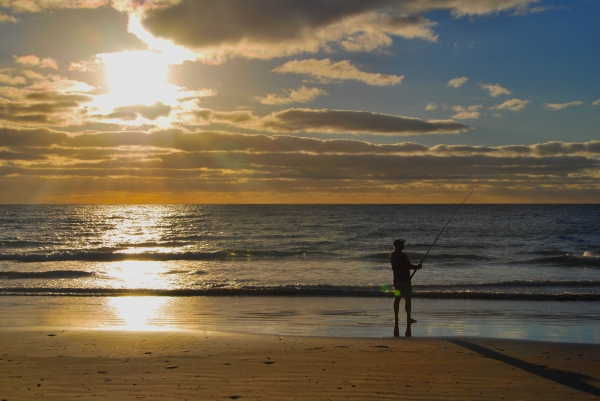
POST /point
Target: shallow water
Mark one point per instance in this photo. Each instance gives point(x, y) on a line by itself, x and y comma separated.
point(308, 316)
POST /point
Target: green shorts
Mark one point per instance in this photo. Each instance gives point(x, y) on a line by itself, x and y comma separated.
point(405, 288)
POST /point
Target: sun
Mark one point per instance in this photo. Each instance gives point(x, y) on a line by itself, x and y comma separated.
point(137, 77)
point(141, 77)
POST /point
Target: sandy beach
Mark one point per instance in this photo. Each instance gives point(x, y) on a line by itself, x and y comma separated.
point(180, 365)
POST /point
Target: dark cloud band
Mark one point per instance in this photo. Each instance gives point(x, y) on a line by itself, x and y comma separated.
point(208, 141)
point(208, 23)
point(341, 121)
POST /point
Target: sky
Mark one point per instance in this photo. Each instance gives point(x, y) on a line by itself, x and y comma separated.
point(299, 101)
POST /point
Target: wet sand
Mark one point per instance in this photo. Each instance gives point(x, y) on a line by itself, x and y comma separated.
point(179, 365)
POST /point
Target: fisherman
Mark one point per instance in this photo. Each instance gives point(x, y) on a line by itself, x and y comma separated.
point(402, 286)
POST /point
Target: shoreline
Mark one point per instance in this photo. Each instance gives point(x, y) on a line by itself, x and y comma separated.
point(575, 322)
point(195, 364)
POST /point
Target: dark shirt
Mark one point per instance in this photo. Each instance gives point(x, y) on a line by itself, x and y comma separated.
point(400, 265)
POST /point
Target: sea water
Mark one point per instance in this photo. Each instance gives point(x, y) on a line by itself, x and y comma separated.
point(517, 271)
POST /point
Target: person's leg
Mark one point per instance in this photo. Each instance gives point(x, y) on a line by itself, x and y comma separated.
point(396, 310)
point(407, 307)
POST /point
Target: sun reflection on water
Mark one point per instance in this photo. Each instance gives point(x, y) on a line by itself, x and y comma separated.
point(137, 226)
point(137, 313)
point(138, 274)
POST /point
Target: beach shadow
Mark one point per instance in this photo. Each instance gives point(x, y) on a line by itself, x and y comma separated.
point(573, 380)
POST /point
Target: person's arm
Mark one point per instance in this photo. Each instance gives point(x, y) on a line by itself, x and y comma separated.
point(406, 263)
point(416, 267)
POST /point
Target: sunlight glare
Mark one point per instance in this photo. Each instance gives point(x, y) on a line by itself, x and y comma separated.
point(140, 77)
point(175, 54)
point(138, 274)
point(137, 312)
point(137, 77)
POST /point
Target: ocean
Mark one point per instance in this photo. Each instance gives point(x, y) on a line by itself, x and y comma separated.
point(511, 271)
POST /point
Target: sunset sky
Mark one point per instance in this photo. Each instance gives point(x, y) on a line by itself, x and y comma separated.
point(299, 101)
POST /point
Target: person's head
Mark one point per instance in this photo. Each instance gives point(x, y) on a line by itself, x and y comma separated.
point(399, 244)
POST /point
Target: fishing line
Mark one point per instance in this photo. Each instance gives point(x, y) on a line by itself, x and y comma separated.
point(440, 234)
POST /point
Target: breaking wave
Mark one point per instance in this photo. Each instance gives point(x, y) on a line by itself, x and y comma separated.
point(586, 260)
point(52, 274)
point(314, 291)
point(110, 256)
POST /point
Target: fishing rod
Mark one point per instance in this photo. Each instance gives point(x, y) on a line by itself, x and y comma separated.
point(440, 234)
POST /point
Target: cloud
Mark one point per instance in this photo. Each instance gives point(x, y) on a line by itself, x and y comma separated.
point(181, 161)
point(208, 141)
point(215, 31)
point(38, 81)
point(467, 115)
point(556, 148)
point(468, 46)
point(29, 60)
point(495, 90)
point(596, 103)
point(61, 84)
point(35, 61)
point(203, 24)
point(458, 8)
point(255, 29)
point(325, 71)
point(471, 112)
point(365, 42)
point(23, 82)
point(131, 165)
point(553, 148)
point(34, 76)
point(7, 18)
point(358, 122)
point(337, 173)
point(39, 137)
point(129, 113)
point(382, 168)
point(241, 117)
point(330, 122)
point(300, 95)
point(41, 108)
point(5, 155)
point(431, 106)
point(512, 104)
point(211, 141)
point(83, 66)
point(44, 5)
point(457, 82)
point(560, 106)
point(527, 9)
point(268, 30)
point(9, 77)
point(379, 171)
point(48, 141)
point(372, 31)
point(49, 63)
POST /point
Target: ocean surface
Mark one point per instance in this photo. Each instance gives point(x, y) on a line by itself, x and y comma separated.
point(307, 269)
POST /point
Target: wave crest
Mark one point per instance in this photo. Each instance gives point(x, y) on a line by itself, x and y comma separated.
point(105, 255)
point(52, 274)
point(322, 290)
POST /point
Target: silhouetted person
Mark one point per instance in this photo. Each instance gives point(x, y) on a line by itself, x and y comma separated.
point(402, 286)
